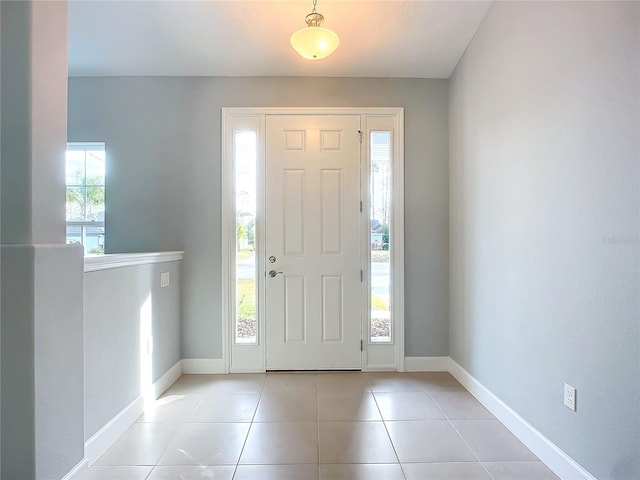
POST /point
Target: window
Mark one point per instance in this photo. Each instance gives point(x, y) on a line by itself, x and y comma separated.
point(380, 202)
point(245, 156)
point(85, 179)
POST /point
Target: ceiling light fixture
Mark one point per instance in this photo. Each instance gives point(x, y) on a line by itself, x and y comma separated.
point(315, 42)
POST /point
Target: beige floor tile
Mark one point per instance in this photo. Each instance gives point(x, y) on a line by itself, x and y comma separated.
point(491, 441)
point(445, 471)
point(407, 406)
point(171, 408)
point(281, 443)
point(345, 471)
point(192, 384)
point(287, 406)
point(347, 407)
point(226, 408)
point(428, 441)
point(112, 473)
point(520, 470)
point(277, 472)
point(355, 442)
point(202, 427)
point(206, 444)
point(292, 383)
point(437, 381)
point(192, 473)
point(461, 406)
point(141, 444)
point(342, 382)
point(232, 383)
point(393, 382)
point(250, 383)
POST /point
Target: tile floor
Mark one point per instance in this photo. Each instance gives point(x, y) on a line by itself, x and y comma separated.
point(378, 426)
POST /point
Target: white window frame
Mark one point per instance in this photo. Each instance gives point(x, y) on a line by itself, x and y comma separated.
point(239, 357)
point(83, 147)
point(383, 355)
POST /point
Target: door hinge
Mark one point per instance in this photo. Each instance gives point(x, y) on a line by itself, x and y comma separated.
point(361, 275)
point(360, 206)
point(361, 346)
point(360, 132)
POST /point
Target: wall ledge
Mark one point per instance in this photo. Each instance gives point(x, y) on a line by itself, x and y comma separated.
point(119, 260)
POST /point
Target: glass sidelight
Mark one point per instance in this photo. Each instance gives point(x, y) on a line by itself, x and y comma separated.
point(245, 157)
point(380, 163)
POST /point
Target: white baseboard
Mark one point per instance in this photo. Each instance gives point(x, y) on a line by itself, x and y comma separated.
point(426, 364)
point(554, 458)
point(103, 438)
point(168, 379)
point(203, 365)
point(82, 464)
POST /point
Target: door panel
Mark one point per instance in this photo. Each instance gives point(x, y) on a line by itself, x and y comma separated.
point(313, 307)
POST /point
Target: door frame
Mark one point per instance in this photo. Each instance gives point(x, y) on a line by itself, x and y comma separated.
point(252, 357)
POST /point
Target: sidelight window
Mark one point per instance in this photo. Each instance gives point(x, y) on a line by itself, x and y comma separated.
point(380, 240)
point(245, 157)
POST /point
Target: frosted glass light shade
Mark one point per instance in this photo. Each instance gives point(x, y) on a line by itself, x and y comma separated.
point(315, 43)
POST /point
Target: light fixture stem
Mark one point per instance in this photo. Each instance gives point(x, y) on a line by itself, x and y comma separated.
point(314, 6)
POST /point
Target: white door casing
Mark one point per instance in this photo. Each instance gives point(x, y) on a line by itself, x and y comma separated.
point(251, 357)
point(312, 229)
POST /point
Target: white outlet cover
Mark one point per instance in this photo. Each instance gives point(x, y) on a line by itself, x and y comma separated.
point(165, 280)
point(569, 397)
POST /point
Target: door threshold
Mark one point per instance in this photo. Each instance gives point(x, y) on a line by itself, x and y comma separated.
point(336, 370)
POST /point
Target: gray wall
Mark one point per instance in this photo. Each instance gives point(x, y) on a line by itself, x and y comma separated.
point(163, 180)
point(114, 299)
point(545, 150)
point(18, 390)
point(58, 359)
point(42, 419)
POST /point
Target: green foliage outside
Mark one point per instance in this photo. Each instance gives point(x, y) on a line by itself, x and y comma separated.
point(246, 294)
point(378, 303)
point(94, 195)
point(385, 237)
point(245, 253)
point(246, 313)
point(251, 232)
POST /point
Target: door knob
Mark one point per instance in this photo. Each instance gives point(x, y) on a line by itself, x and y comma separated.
point(273, 273)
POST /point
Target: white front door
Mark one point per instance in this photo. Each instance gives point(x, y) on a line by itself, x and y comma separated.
point(312, 246)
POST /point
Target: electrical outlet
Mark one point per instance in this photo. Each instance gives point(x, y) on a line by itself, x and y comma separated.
point(164, 279)
point(569, 397)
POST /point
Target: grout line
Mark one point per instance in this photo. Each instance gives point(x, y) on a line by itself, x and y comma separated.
point(244, 444)
point(149, 474)
point(166, 448)
point(459, 434)
point(384, 423)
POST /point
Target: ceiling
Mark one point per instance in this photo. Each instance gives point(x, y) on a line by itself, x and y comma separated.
point(383, 38)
